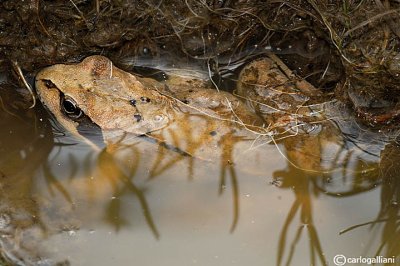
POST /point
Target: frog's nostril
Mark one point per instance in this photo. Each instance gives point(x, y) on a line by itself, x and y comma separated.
point(213, 133)
point(49, 84)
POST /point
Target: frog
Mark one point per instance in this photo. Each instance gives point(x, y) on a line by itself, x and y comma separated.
point(184, 113)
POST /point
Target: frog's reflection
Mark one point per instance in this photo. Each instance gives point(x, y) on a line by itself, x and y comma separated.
point(25, 143)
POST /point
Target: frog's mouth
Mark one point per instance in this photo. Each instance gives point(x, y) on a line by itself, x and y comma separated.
point(66, 112)
point(85, 126)
point(90, 131)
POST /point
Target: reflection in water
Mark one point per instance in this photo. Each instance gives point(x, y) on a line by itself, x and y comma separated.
point(303, 153)
point(390, 200)
point(148, 194)
point(338, 166)
point(24, 146)
point(387, 220)
point(109, 168)
point(302, 187)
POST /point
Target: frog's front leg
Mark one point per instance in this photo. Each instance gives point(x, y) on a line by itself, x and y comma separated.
point(274, 92)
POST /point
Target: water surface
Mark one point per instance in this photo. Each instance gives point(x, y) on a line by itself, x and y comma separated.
point(299, 201)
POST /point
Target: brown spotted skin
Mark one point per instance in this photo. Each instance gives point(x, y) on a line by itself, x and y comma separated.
point(122, 104)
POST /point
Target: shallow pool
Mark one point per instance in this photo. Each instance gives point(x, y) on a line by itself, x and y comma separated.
point(298, 201)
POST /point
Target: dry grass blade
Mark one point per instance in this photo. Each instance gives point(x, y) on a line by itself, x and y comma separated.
point(336, 40)
point(392, 23)
point(370, 20)
point(97, 6)
point(18, 70)
point(81, 15)
point(40, 20)
point(262, 131)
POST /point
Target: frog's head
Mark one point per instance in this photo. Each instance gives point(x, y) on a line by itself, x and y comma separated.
point(97, 93)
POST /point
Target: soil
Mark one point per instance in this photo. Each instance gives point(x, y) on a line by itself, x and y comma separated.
point(348, 48)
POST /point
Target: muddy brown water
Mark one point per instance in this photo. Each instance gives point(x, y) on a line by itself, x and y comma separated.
point(63, 203)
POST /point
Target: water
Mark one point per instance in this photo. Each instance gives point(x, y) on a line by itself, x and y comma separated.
point(63, 202)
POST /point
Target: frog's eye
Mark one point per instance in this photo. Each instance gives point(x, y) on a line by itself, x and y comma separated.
point(70, 108)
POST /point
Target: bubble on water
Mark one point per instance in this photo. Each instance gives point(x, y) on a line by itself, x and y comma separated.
point(71, 232)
